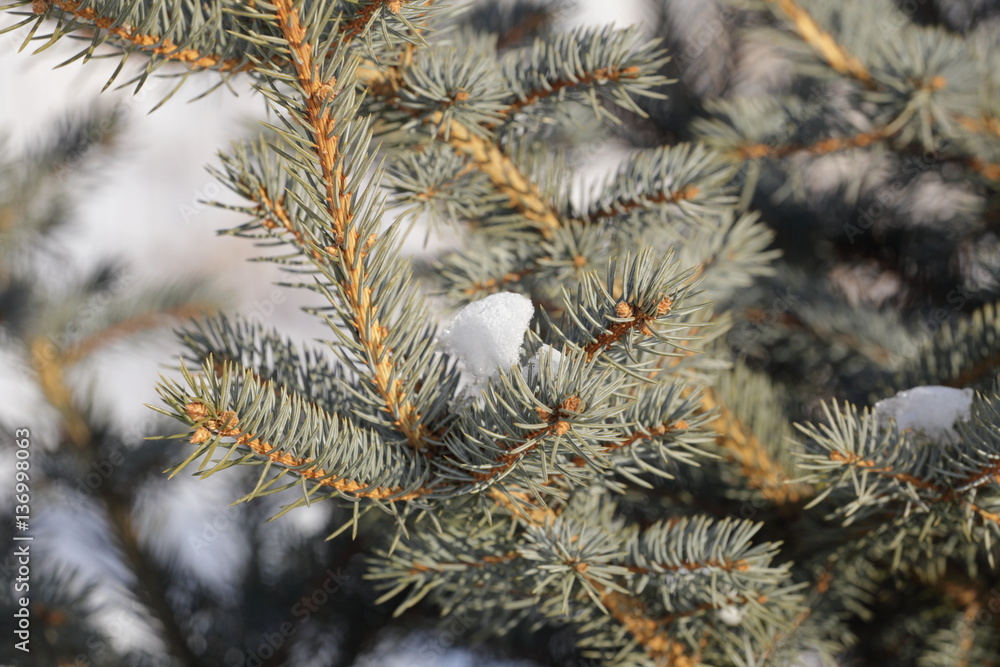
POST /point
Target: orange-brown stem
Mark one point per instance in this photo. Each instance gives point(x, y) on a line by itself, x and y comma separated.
point(755, 463)
point(152, 43)
point(621, 207)
point(598, 76)
point(618, 330)
point(943, 494)
point(638, 436)
point(131, 326)
point(370, 332)
point(819, 39)
point(227, 425)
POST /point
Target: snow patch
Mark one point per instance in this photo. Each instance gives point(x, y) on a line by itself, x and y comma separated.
point(487, 335)
point(547, 355)
point(730, 614)
point(931, 410)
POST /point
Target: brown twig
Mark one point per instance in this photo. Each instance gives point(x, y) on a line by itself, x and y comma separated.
point(148, 42)
point(943, 494)
point(598, 76)
point(638, 436)
point(634, 319)
point(370, 332)
point(131, 326)
point(621, 207)
point(813, 34)
point(649, 632)
point(226, 425)
point(50, 366)
point(760, 470)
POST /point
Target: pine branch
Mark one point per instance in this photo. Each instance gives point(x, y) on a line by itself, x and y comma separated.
point(523, 195)
point(756, 464)
point(132, 326)
point(638, 436)
point(598, 76)
point(492, 285)
point(941, 493)
point(51, 366)
point(821, 147)
point(630, 318)
point(226, 425)
point(624, 207)
point(148, 42)
point(370, 332)
point(823, 42)
point(357, 25)
point(648, 632)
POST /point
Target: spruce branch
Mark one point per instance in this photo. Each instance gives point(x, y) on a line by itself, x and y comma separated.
point(600, 75)
point(760, 471)
point(129, 327)
point(346, 258)
point(650, 633)
point(961, 354)
point(523, 195)
point(226, 425)
point(823, 42)
point(875, 464)
point(151, 43)
point(51, 365)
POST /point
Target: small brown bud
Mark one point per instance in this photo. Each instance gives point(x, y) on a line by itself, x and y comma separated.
point(326, 90)
point(200, 435)
point(664, 306)
point(581, 567)
point(623, 309)
point(543, 414)
point(680, 424)
point(571, 404)
point(562, 427)
point(39, 6)
point(579, 261)
point(369, 242)
point(226, 423)
point(196, 411)
point(646, 331)
point(461, 96)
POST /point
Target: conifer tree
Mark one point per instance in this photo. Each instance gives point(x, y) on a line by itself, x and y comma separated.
point(569, 423)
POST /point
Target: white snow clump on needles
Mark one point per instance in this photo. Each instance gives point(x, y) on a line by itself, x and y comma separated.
point(547, 354)
point(931, 410)
point(487, 335)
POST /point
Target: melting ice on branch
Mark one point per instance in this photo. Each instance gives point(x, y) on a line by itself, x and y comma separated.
point(932, 410)
point(487, 335)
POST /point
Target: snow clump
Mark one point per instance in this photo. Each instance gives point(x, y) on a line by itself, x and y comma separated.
point(548, 354)
point(730, 614)
point(487, 335)
point(931, 410)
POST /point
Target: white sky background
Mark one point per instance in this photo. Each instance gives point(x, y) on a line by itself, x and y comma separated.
point(141, 207)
